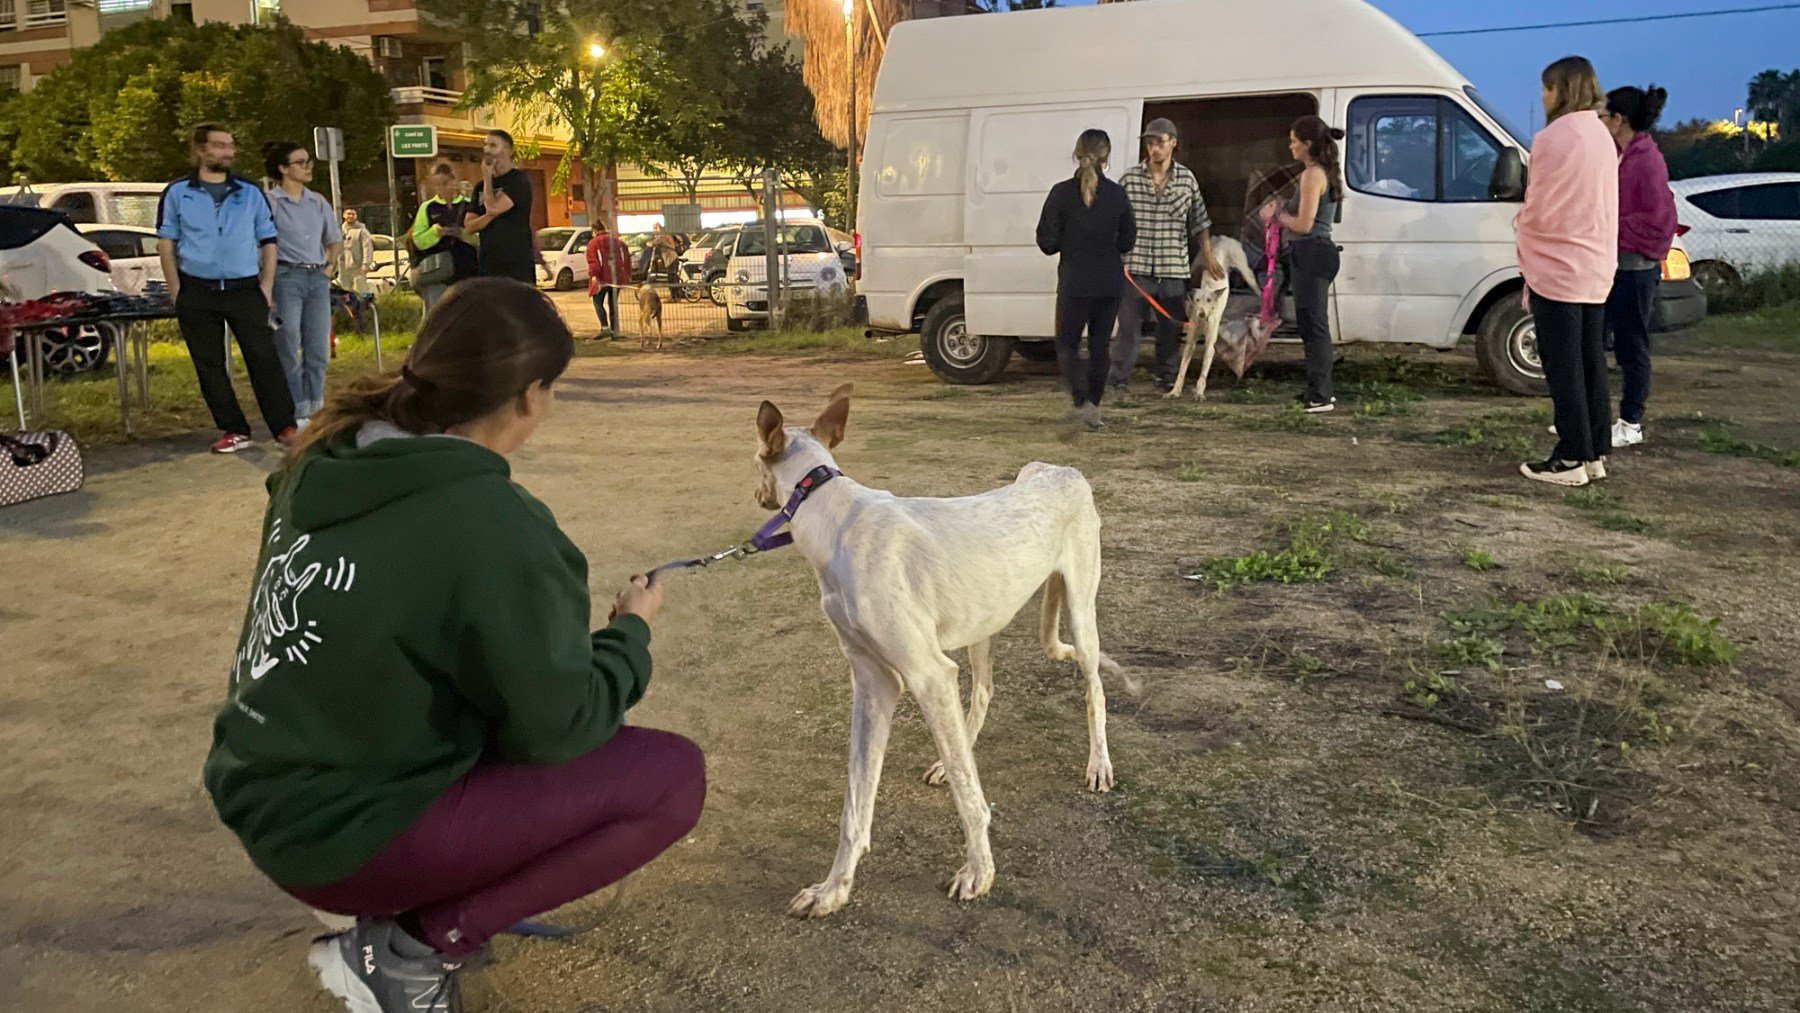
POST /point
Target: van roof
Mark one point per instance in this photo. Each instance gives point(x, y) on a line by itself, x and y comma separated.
point(1152, 49)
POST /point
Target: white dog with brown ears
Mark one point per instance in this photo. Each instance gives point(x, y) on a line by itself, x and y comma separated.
point(1206, 308)
point(905, 582)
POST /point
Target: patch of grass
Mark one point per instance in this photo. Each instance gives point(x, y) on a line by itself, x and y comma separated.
point(1410, 373)
point(1380, 399)
point(1479, 560)
point(88, 405)
point(1772, 289)
point(948, 392)
point(1496, 434)
point(1719, 439)
point(845, 341)
point(1652, 634)
point(1192, 471)
point(1249, 390)
point(818, 312)
point(1773, 328)
point(1604, 575)
point(1289, 419)
point(1472, 650)
point(1309, 556)
point(1674, 631)
point(1607, 511)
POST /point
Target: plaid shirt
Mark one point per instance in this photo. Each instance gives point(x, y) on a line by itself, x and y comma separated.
point(1165, 220)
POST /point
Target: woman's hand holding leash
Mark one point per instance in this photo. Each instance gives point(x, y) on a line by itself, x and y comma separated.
point(642, 598)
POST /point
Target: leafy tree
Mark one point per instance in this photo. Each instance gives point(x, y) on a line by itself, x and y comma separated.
point(771, 126)
point(1700, 148)
point(651, 96)
point(121, 108)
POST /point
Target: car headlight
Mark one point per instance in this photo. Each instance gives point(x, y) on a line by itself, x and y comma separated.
point(829, 274)
point(743, 276)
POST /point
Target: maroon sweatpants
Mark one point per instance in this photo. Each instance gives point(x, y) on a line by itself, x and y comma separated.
point(507, 842)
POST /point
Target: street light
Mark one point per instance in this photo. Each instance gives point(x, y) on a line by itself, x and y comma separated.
point(596, 51)
point(850, 169)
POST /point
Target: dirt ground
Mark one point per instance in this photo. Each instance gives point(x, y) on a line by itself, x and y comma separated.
point(1331, 796)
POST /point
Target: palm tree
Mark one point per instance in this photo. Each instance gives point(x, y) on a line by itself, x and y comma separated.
point(1775, 97)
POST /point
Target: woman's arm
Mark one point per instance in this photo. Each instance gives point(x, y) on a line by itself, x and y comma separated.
point(1127, 226)
point(1312, 188)
point(1050, 223)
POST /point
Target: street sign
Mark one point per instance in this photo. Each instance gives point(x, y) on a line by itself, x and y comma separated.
point(328, 144)
point(409, 141)
point(328, 147)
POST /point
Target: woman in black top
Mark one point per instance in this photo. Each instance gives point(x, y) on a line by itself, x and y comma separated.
point(1088, 221)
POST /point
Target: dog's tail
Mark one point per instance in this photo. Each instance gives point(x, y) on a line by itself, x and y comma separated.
point(1056, 594)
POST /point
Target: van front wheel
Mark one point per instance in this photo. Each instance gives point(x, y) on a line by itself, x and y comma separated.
point(954, 353)
point(1506, 347)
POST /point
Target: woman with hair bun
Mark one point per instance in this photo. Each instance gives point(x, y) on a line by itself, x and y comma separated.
point(1312, 255)
point(1646, 231)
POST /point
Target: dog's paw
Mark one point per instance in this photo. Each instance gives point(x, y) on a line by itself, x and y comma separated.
point(1172, 394)
point(1199, 393)
point(971, 882)
point(1099, 775)
point(1061, 652)
point(934, 774)
point(818, 900)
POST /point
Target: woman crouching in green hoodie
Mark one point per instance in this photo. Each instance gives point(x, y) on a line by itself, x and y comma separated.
point(422, 730)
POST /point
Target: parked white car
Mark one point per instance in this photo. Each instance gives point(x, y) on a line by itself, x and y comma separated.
point(92, 203)
point(390, 267)
point(41, 253)
point(957, 166)
point(809, 265)
point(1739, 225)
point(131, 251)
point(565, 257)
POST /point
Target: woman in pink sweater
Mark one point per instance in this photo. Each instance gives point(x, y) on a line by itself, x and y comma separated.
point(1646, 231)
point(1568, 243)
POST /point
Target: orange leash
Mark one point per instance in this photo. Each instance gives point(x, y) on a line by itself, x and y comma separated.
point(1170, 317)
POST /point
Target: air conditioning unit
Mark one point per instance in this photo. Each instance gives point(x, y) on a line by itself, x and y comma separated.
point(387, 47)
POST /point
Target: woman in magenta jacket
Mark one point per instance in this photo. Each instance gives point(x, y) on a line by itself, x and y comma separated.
point(1568, 243)
point(1646, 231)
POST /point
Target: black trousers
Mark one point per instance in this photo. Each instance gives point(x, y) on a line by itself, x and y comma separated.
point(526, 273)
point(1571, 341)
point(1315, 265)
point(1629, 309)
point(203, 313)
point(1095, 314)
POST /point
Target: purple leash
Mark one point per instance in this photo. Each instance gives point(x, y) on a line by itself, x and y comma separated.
point(770, 535)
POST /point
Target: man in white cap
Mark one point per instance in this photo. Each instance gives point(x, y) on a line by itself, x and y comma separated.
point(1171, 213)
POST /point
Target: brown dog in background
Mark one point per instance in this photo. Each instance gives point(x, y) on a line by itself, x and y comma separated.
point(649, 310)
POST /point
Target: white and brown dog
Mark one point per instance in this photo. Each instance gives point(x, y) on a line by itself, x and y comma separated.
point(905, 582)
point(1206, 308)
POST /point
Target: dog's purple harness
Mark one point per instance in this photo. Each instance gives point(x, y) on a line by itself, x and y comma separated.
point(770, 535)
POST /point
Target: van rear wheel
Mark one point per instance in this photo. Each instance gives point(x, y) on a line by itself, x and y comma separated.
point(954, 353)
point(1506, 347)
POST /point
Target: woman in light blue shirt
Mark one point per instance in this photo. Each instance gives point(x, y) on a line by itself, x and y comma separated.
point(307, 239)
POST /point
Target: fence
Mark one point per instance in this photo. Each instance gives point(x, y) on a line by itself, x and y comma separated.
point(704, 271)
point(1742, 253)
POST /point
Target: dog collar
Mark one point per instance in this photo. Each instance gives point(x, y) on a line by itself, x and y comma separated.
point(770, 535)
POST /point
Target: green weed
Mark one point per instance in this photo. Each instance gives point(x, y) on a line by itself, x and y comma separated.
point(1479, 560)
point(1192, 471)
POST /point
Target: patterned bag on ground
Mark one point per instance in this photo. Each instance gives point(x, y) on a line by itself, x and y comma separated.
point(38, 464)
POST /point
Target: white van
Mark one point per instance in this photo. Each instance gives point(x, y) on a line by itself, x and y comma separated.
point(958, 164)
point(92, 203)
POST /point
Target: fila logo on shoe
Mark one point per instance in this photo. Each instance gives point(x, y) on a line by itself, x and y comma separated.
point(369, 960)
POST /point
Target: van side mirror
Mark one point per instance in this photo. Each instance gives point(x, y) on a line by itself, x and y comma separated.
point(1508, 180)
point(845, 248)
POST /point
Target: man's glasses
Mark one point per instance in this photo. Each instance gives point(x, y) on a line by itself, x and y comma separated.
point(304, 163)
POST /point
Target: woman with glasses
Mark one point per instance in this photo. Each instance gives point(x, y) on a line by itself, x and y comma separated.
point(307, 239)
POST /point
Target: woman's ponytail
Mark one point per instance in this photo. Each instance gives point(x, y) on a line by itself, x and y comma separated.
point(1092, 149)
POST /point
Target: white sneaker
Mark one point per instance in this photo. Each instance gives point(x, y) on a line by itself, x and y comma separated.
point(1627, 434)
point(1553, 431)
point(1596, 470)
point(1572, 474)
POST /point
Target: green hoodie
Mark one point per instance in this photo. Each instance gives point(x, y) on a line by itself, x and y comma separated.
point(413, 612)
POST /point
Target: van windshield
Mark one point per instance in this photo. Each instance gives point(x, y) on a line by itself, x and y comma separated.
point(1517, 136)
